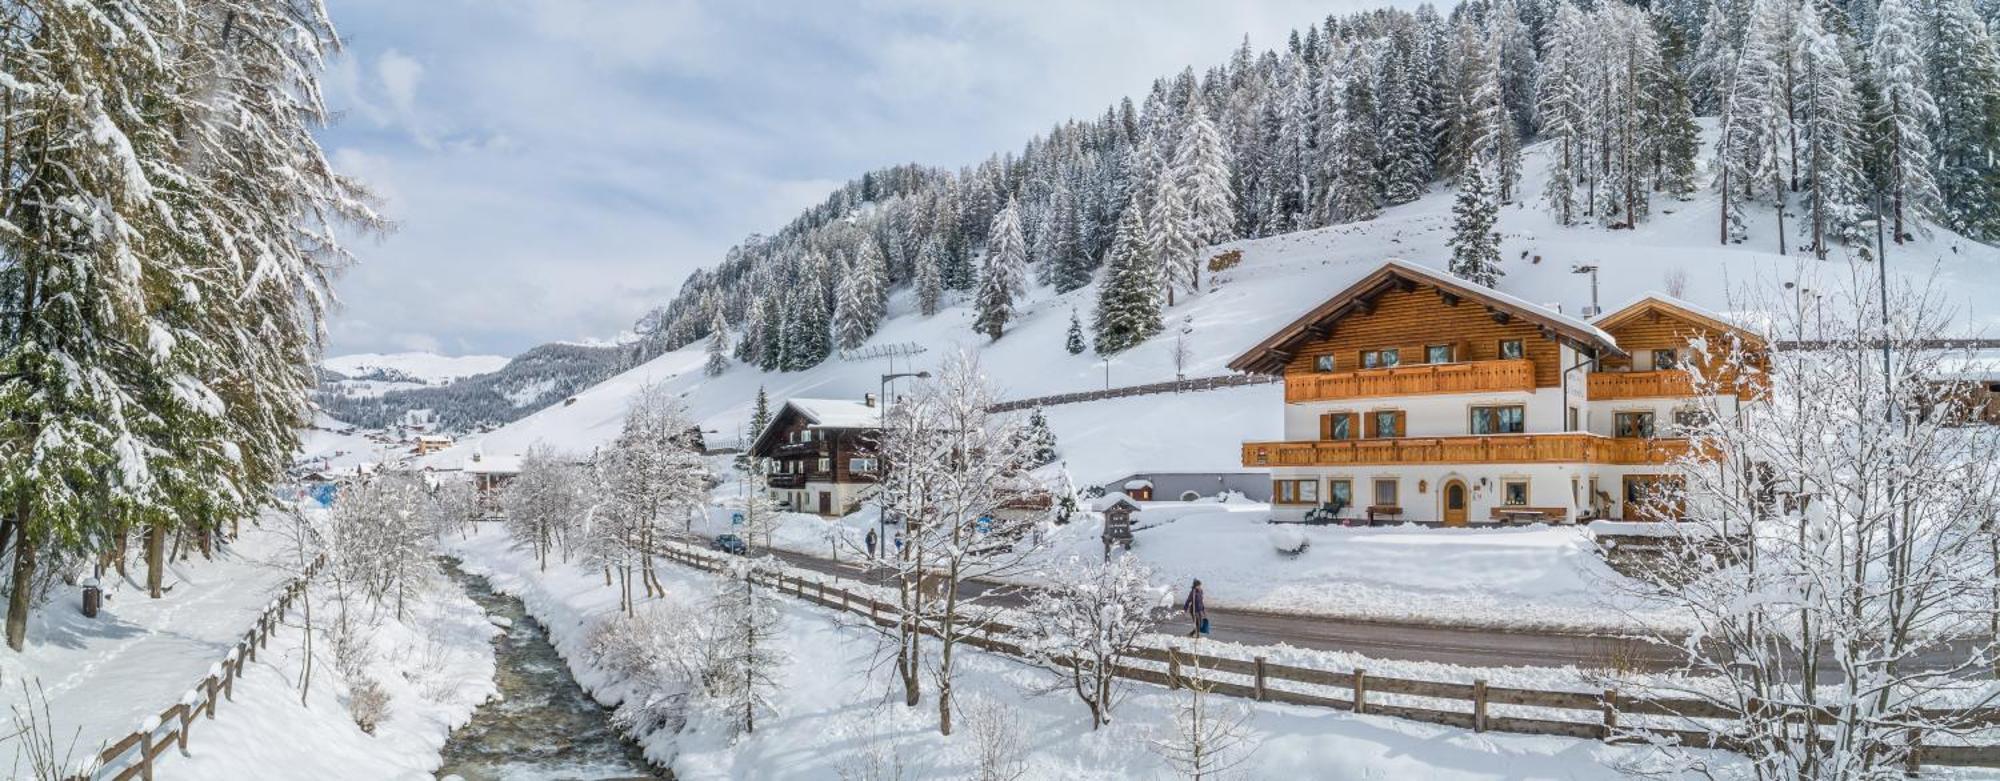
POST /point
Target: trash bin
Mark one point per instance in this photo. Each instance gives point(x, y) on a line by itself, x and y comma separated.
point(93, 597)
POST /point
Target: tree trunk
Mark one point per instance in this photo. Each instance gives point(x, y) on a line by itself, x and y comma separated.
point(19, 600)
point(156, 560)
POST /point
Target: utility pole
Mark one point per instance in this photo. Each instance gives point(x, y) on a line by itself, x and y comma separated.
point(1591, 269)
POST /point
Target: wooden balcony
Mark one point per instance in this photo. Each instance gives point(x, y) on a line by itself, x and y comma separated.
point(1414, 379)
point(796, 449)
point(1569, 448)
point(1660, 384)
point(788, 480)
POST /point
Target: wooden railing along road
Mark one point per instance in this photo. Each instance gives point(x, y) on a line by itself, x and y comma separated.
point(1573, 447)
point(1172, 386)
point(1606, 715)
point(133, 756)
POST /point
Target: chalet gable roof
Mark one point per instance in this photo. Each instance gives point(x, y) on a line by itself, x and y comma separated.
point(820, 414)
point(1661, 303)
point(1271, 355)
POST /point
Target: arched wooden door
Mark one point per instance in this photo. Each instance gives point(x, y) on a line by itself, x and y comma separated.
point(1454, 503)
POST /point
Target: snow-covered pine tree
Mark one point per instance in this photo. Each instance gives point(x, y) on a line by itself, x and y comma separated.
point(1906, 113)
point(1475, 247)
point(850, 322)
point(1472, 102)
point(1829, 135)
point(1040, 439)
point(750, 344)
point(1201, 175)
point(929, 280)
point(1562, 101)
point(1073, 342)
point(1173, 245)
point(718, 346)
point(1128, 303)
point(1669, 120)
point(808, 336)
point(760, 414)
point(1714, 58)
point(1965, 82)
point(1632, 54)
point(1355, 192)
point(1001, 276)
point(1513, 50)
point(1405, 143)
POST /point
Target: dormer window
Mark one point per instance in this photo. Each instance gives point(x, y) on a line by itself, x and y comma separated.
point(1323, 363)
point(1512, 350)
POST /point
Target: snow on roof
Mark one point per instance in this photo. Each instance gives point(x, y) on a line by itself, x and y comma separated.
point(1691, 307)
point(837, 413)
point(1138, 485)
point(1980, 365)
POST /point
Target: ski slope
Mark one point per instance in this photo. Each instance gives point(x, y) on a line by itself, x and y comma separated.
point(1279, 278)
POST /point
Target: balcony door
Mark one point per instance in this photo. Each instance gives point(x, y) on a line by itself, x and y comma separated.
point(1454, 503)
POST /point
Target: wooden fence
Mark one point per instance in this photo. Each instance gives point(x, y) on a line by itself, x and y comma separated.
point(133, 756)
point(1586, 715)
point(1173, 386)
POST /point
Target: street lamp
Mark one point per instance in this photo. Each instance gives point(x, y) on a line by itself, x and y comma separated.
point(884, 398)
point(1591, 269)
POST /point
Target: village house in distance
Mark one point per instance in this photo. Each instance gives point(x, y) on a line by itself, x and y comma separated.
point(821, 453)
point(1416, 396)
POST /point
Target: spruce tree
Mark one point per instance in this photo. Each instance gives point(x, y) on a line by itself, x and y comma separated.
point(1475, 247)
point(1039, 440)
point(1074, 342)
point(718, 346)
point(1906, 112)
point(1828, 134)
point(1201, 174)
point(1128, 304)
point(1356, 187)
point(1563, 100)
point(1001, 276)
point(760, 414)
point(1173, 260)
point(929, 280)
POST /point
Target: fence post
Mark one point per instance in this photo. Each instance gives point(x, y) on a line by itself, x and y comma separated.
point(1173, 671)
point(1360, 690)
point(1610, 713)
point(211, 684)
point(1914, 755)
point(1260, 679)
point(1479, 706)
point(187, 723)
point(822, 591)
point(229, 679)
point(146, 756)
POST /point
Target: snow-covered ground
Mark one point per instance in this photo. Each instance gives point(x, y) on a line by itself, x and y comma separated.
point(436, 666)
point(102, 676)
point(835, 712)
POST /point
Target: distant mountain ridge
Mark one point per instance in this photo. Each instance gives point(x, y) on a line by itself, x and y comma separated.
point(377, 391)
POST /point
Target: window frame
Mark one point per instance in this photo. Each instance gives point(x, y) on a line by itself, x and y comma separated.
point(1520, 349)
point(1430, 353)
point(1333, 490)
point(1286, 490)
point(823, 464)
point(1323, 363)
point(1473, 415)
point(1396, 416)
point(1673, 358)
point(1618, 424)
point(861, 464)
point(1395, 492)
point(1340, 427)
point(1507, 483)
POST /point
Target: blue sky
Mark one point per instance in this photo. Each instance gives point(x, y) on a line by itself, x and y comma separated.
point(556, 167)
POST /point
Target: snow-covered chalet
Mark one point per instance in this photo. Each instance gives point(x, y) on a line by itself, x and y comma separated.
point(821, 453)
point(1416, 396)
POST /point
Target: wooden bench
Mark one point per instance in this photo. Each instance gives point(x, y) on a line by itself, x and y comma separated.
point(1375, 510)
point(1517, 514)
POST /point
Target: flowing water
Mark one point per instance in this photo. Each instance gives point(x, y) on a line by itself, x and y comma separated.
point(543, 726)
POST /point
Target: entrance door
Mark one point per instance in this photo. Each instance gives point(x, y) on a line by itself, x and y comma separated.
point(1454, 503)
point(826, 503)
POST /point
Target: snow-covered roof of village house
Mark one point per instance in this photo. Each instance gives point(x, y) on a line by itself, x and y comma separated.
point(1268, 355)
point(822, 413)
point(493, 465)
point(1135, 485)
point(1638, 303)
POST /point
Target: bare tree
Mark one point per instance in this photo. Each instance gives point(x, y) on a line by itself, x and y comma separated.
point(1836, 556)
point(544, 503)
point(1088, 619)
point(1207, 742)
point(959, 486)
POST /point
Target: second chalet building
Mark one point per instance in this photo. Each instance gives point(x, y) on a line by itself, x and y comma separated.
point(1413, 395)
point(821, 453)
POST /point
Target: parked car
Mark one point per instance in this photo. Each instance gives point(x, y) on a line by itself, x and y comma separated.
point(730, 543)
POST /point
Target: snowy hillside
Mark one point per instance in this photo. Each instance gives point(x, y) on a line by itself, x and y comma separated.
point(1280, 278)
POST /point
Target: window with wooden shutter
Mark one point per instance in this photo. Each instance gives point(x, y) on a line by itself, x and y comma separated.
point(1385, 423)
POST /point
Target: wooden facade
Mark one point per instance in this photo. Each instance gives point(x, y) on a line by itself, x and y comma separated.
point(1569, 448)
point(820, 464)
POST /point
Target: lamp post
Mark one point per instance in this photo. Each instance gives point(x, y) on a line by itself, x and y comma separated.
point(884, 398)
point(1591, 269)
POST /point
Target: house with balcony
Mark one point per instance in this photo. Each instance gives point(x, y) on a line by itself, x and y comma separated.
point(1415, 396)
point(821, 453)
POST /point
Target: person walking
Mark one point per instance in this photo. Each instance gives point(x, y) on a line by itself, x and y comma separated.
point(871, 543)
point(1196, 610)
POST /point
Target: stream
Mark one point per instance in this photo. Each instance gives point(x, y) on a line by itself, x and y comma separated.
point(543, 725)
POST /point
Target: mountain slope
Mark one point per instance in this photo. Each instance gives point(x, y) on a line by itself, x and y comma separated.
point(1279, 278)
point(530, 381)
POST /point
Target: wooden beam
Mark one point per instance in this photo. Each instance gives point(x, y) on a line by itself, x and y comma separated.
point(1548, 332)
point(1403, 285)
point(1499, 316)
point(1366, 305)
point(1449, 298)
point(1320, 330)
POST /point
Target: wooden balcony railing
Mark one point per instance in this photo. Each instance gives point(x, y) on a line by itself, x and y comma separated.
point(788, 480)
point(1468, 377)
point(1574, 447)
point(795, 449)
point(1667, 383)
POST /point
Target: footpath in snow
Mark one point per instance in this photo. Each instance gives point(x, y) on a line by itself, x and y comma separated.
point(103, 676)
point(835, 712)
